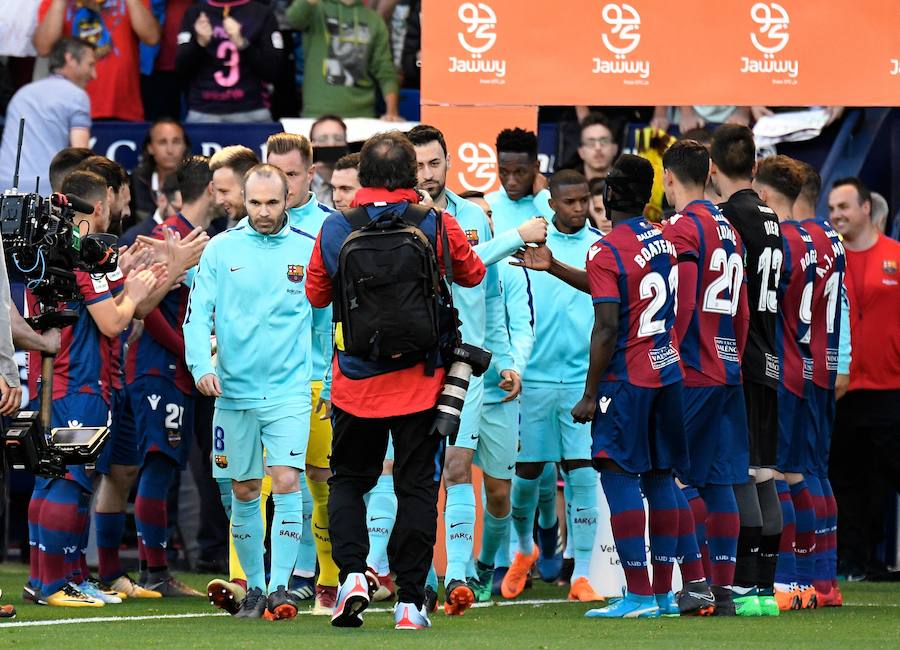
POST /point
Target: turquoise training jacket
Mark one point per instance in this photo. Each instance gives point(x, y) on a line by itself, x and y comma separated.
point(252, 288)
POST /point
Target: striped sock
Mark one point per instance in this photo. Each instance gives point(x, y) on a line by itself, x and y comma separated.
point(699, 513)
point(623, 494)
point(660, 492)
point(151, 509)
point(786, 566)
point(41, 487)
point(60, 529)
point(687, 551)
point(722, 527)
point(805, 543)
point(110, 527)
point(831, 538)
point(821, 579)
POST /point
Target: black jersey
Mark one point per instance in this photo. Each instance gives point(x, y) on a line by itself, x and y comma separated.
point(757, 225)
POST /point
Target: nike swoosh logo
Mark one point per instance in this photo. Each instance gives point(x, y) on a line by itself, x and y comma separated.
point(235, 268)
point(706, 597)
point(510, 467)
point(377, 518)
point(461, 523)
point(238, 525)
point(285, 523)
point(295, 453)
point(318, 527)
point(581, 509)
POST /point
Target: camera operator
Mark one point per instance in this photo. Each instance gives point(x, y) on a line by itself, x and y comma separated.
point(372, 395)
point(60, 504)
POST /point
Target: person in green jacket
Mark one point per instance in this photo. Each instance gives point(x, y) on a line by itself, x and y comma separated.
point(346, 50)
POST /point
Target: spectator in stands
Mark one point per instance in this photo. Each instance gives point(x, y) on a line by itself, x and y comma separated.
point(697, 117)
point(865, 449)
point(345, 181)
point(597, 208)
point(599, 146)
point(347, 52)
point(57, 114)
point(159, 80)
point(227, 51)
point(114, 28)
point(168, 204)
point(834, 112)
point(165, 146)
point(328, 136)
point(880, 212)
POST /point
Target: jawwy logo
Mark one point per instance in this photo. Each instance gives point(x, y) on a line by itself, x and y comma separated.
point(479, 36)
point(481, 164)
point(621, 41)
point(773, 21)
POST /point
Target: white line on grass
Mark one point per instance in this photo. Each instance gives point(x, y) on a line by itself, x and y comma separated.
point(156, 617)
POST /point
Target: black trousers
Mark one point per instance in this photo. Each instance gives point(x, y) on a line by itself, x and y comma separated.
point(357, 452)
point(864, 469)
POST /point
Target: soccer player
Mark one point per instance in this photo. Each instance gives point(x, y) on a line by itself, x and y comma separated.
point(78, 396)
point(228, 166)
point(551, 387)
point(345, 181)
point(481, 312)
point(633, 388)
point(733, 157)
point(292, 154)
point(711, 326)
point(523, 193)
point(828, 327)
point(778, 181)
point(261, 379)
point(160, 392)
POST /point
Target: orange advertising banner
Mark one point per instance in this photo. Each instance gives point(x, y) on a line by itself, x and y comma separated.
point(471, 133)
point(660, 52)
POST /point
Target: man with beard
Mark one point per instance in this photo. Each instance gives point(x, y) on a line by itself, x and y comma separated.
point(228, 166)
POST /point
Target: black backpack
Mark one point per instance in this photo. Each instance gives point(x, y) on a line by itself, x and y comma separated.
point(392, 302)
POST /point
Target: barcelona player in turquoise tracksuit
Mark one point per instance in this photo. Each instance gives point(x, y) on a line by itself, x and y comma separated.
point(250, 284)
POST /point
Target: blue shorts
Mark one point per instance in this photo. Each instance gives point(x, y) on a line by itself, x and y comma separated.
point(715, 425)
point(640, 429)
point(80, 409)
point(823, 409)
point(796, 432)
point(470, 417)
point(547, 432)
point(498, 446)
point(239, 438)
point(122, 447)
point(164, 417)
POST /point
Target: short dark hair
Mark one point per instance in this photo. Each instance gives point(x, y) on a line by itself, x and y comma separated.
point(170, 186)
point(861, 189)
point(471, 194)
point(422, 134)
point(518, 141)
point(781, 173)
point(64, 162)
point(597, 186)
point(193, 177)
point(734, 151)
point(73, 46)
point(388, 160)
point(350, 161)
point(699, 134)
point(597, 119)
point(812, 183)
point(237, 158)
point(329, 117)
point(86, 185)
point(114, 174)
point(566, 178)
point(688, 160)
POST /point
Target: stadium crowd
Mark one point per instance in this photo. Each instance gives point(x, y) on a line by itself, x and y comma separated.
point(695, 336)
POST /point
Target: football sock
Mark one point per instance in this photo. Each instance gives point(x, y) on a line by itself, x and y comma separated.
point(547, 496)
point(110, 527)
point(524, 501)
point(722, 527)
point(287, 528)
point(381, 513)
point(77, 567)
point(805, 535)
point(431, 579)
point(151, 509)
point(786, 566)
point(328, 570)
point(746, 569)
point(821, 579)
point(584, 518)
point(59, 533)
point(305, 567)
point(623, 494)
point(770, 540)
point(502, 534)
point(236, 572)
point(569, 550)
point(493, 536)
point(660, 492)
point(249, 539)
point(225, 495)
point(459, 518)
point(699, 512)
point(831, 538)
point(41, 487)
point(687, 551)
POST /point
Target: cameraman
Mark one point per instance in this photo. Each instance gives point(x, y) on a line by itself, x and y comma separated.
point(61, 510)
point(382, 397)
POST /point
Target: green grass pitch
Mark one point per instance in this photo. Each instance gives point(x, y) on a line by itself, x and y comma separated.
point(870, 618)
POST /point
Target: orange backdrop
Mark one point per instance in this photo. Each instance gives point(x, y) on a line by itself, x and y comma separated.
point(470, 132)
point(650, 52)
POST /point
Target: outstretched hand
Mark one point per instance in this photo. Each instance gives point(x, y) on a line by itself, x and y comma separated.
point(536, 258)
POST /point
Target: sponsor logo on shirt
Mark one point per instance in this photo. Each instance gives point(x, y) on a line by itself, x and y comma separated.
point(726, 349)
point(772, 368)
point(831, 358)
point(621, 39)
point(477, 37)
point(769, 37)
point(807, 368)
point(662, 357)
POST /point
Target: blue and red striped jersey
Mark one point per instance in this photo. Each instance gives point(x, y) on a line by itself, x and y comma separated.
point(637, 268)
point(795, 292)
